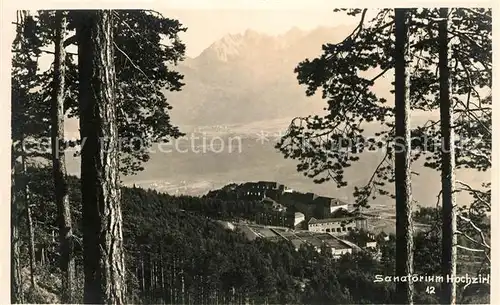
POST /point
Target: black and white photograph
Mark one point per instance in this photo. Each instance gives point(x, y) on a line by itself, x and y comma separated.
point(236, 155)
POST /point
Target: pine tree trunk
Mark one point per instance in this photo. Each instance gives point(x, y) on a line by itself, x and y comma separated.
point(42, 257)
point(102, 220)
point(197, 290)
point(143, 274)
point(26, 191)
point(29, 218)
point(16, 280)
point(153, 280)
point(183, 292)
point(173, 282)
point(449, 250)
point(404, 226)
point(147, 278)
point(16, 292)
point(162, 277)
point(151, 276)
point(201, 289)
point(67, 262)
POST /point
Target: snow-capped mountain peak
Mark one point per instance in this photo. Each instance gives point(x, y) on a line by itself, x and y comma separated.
point(226, 47)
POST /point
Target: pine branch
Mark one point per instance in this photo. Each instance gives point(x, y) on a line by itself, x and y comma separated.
point(469, 249)
point(468, 188)
point(71, 40)
point(133, 64)
point(458, 232)
point(469, 221)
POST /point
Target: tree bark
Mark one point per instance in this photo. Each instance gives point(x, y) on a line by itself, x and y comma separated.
point(102, 220)
point(173, 282)
point(449, 225)
point(25, 185)
point(29, 218)
point(15, 274)
point(67, 262)
point(162, 276)
point(16, 280)
point(404, 226)
point(143, 273)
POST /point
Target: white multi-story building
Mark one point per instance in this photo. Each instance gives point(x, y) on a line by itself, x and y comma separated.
point(337, 225)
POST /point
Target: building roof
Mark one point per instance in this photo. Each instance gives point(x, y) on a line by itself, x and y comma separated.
point(322, 199)
point(350, 245)
point(333, 241)
point(330, 201)
point(337, 244)
point(312, 240)
point(297, 242)
point(269, 183)
point(326, 220)
point(317, 240)
point(298, 196)
point(313, 199)
point(339, 202)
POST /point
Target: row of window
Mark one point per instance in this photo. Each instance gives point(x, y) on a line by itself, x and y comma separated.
point(264, 186)
point(338, 230)
point(326, 224)
point(254, 193)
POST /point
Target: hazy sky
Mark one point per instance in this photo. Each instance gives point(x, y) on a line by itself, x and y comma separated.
point(208, 25)
point(205, 26)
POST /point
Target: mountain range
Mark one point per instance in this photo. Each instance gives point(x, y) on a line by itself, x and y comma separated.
point(250, 77)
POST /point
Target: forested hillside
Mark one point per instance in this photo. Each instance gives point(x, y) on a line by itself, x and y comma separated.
point(181, 256)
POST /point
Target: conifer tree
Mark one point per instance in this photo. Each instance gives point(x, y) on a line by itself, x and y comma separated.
point(104, 262)
point(402, 162)
point(67, 261)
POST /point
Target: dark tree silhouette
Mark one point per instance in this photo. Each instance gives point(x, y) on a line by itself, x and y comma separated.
point(67, 261)
point(449, 240)
point(404, 223)
point(102, 220)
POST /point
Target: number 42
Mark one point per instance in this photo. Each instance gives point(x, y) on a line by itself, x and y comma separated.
point(430, 289)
